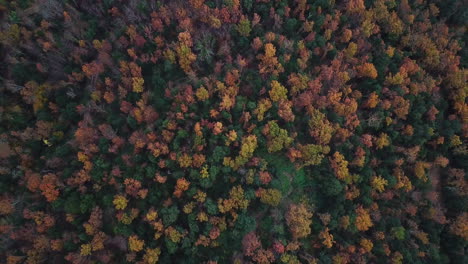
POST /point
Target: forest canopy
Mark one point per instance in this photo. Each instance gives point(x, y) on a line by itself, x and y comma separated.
point(233, 131)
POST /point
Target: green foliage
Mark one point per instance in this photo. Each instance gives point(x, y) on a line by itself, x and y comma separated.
point(279, 138)
point(169, 215)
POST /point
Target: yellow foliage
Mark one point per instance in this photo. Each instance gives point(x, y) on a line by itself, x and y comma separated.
point(396, 79)
point(319, 126)
point(134, 244)
point(185, 160)
point(270, 50)
point(340, 166)
point(202, 94)
point(127, 218)
point(299, 219)
point(174, 235)
point(289, 259)
point(151, 255)
point(169, 55)
point(390, 51)
point(202, 217)
point(420, 170)
point(236, 200)
point(263, 106)
point(455, 141)
point(204, 172)
point(120, 202)
point(366, 244)
point(188, 208)
point(327, 238)
point(200, 196)
point(152, 215)
point(186, 57)
point(269, 62)
point(403, 180)
point(382, 141)
point(379, 183)
point(248, 146)
point(96, 96)
point(312, 154)
point(351, 50)
point(232, 136)
point(278, 92)
point(270, 196)
point(85, 249)
point(345, 222)
point(138, 84)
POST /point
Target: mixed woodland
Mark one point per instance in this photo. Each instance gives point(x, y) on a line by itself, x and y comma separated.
point(233, 131)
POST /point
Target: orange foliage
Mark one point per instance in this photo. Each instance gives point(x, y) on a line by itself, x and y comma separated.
point(181, 186)
point(269, 62)
point(363, 220)
point(367, 70)
point(49, 188)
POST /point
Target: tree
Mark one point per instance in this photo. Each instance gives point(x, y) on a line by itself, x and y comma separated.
point(250, 244)
point(340, 167)
point(367, 70)
point(184, 52)
point(269, 196)
point(244, 27)
point(120, 202)
point(269, 62)
point(311, 154)
point(278, 92)
point(248, 146)
point(382, 141)
point(299, 219)
point(262, 107)
point(459, 226)
point(378, 183)
point(327, 238)
point(285, 111)
point(135, 244)
point(363, 221)
point(319, 126)
point(277, 137)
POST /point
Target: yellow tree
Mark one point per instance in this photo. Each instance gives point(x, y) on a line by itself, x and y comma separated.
point(311, 154)
point(270, 196)
point(340, 166)
point(263, 106)
point(382, 141)
point(278, 138)
point(184, 52)
point(278, 92)
point(319, 127)
point(378, 183)
point(299, 219)
point(248, 146)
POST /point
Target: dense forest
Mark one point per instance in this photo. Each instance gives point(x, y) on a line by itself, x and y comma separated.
point(233, 131)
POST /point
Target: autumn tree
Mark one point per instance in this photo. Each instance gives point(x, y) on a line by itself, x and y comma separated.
point(299, 219)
